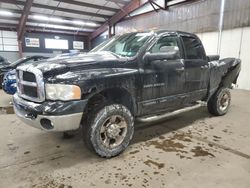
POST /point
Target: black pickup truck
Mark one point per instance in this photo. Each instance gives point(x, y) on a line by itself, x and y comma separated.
point(133, 76)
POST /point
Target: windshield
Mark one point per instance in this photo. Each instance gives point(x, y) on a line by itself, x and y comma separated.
point(18, 61)
point(125, 45)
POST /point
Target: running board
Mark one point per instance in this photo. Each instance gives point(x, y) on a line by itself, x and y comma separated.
point(148, 119)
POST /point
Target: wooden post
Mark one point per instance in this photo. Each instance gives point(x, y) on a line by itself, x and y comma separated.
point(20, 49)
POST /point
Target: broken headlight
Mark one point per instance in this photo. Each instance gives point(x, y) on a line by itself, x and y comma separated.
point(62, 92)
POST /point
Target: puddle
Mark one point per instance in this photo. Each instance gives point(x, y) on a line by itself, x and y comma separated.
point(159, 165)
point(171, 144)
point(200, 152)
point(7, 110)
point(179, 143)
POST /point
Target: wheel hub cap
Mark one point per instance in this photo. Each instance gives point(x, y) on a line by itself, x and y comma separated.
point(224, 102)
point(113, 131)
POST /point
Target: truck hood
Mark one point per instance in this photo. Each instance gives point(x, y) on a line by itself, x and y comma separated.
point(62, 64)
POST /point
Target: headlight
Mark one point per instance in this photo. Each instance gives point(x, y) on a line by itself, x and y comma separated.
point(13, 85)
point(12, 77)
point(62, 92)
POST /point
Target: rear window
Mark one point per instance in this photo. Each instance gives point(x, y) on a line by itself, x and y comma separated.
point(193, 48)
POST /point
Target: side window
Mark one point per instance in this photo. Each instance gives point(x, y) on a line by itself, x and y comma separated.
point(193, 48)
point(165, 44)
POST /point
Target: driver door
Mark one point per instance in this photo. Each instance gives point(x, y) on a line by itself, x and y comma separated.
point(163, 79)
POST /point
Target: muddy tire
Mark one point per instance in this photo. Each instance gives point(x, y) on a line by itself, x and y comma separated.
point(219, 103)
point(109, 130)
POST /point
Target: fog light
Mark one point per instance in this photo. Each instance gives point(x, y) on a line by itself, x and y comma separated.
point(46, 124)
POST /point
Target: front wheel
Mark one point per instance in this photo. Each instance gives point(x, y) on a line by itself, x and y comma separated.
point(219, 103)
point(109, 130)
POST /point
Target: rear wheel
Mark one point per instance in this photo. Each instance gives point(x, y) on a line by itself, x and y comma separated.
point(219, 103)
point(109, 130)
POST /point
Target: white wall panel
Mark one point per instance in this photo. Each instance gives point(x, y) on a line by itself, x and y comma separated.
point(9, 34)
point(244, 78)
point(230, 43)
point(10, 48)
point(10, 41)
point(209, 41)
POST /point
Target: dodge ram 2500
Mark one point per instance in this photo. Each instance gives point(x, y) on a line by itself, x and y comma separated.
point(131, 76)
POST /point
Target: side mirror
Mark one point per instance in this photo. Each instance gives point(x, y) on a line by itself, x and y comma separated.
point(170, 55)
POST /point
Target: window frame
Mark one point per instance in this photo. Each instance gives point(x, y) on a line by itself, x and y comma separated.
point(184, 47)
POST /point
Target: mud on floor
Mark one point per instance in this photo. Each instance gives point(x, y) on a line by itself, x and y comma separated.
point(7, 110)
point(179, 143)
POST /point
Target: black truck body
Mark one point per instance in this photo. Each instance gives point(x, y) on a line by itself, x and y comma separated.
point(167, 71)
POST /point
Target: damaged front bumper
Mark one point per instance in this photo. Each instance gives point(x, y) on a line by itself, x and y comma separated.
point(50, 115)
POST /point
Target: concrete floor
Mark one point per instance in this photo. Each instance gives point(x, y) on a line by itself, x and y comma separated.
point(5, 103)
point(192, 150)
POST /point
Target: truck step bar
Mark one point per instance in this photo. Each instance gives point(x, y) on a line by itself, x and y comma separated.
point(148, 119)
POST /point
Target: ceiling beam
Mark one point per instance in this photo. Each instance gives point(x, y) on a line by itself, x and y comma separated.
point(23, 19)
point(83, 4)
point(9, 19)
point(37, 5)
point(12, 27)
point(8, 26)
point(44, 22)
point(66, 18)
point(71, 11)
point(133, 5)
point(16, 11)
point(63, 24)
point(56, 31)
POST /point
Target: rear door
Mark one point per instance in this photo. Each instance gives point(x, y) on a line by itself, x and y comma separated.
point(196, 68)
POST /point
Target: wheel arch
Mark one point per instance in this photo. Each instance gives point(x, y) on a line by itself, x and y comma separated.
point(115, 94)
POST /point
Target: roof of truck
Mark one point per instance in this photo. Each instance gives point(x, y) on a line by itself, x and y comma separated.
point(162, 31)
point(158, 32)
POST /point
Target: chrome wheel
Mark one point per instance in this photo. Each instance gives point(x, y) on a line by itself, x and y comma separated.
point(113, 131)
point(224, 101)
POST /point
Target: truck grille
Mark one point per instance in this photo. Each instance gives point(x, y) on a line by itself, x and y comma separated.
point(30, 84)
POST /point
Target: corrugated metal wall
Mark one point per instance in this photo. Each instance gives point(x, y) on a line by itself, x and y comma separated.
point(197, 17)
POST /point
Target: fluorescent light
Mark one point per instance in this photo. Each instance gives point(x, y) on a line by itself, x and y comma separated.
point(5, 13)
point(39, 17)
point(82, 23)
point(45, 18)
point(91, 24)
point(76, 22)
point(60, 20)
point(53, 19)
point(59, 27)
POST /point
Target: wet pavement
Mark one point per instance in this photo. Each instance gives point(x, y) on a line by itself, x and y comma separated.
point(193, 149)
